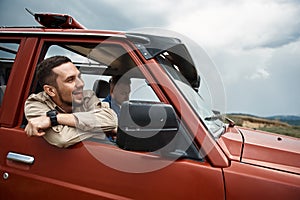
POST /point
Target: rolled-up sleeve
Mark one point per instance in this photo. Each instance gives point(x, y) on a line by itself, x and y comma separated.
point(96, 116)
point(35, 107)
point(65, 136)
point(97, 120)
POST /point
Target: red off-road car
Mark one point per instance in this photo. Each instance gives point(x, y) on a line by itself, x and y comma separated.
point(170, 144)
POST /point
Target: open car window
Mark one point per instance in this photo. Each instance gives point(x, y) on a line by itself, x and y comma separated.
point(98, 62)
point(101, 62)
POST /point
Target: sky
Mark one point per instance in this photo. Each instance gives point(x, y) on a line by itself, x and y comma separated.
point(254, 44)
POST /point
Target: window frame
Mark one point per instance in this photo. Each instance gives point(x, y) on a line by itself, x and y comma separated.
point(11, 111)
point(46, 42)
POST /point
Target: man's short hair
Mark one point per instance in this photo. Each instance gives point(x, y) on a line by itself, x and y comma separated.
point(119, 79)
point(45, 74)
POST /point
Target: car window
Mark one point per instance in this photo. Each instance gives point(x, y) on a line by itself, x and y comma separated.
point(98, 68)
point(98, 62)
point(141, 91)
point(8, 51)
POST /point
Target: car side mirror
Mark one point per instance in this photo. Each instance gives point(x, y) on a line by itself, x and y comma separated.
point(146, 126)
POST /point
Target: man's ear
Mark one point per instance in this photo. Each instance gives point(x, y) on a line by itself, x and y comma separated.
point(50, 90)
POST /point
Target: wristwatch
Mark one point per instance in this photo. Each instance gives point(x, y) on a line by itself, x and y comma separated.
point(52, 115)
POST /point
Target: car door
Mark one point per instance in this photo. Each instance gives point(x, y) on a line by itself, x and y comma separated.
point(97, 169)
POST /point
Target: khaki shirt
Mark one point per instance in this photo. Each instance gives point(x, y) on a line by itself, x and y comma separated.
point(93, 118)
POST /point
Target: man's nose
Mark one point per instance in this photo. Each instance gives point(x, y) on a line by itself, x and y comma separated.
point(79, 82)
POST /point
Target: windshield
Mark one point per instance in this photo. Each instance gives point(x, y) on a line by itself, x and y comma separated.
point(191, 70)
point(195, 99)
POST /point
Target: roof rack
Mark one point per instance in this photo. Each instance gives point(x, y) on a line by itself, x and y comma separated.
point(53, 20)
point(22, 26)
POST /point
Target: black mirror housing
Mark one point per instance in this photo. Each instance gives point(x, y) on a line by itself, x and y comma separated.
point(146, 126)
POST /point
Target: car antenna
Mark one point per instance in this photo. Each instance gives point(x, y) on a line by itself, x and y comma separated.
point(30, 12)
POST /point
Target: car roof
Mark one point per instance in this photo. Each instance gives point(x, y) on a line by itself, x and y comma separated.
point(58, 31)
point(148, 44)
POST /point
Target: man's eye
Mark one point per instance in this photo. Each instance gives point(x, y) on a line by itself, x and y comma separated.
point(70, 80)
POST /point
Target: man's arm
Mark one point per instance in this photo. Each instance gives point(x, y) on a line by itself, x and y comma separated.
point(37, 125)
point(72, 128)
point(99, 117)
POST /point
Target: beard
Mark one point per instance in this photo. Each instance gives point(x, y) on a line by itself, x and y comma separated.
point(73, 103)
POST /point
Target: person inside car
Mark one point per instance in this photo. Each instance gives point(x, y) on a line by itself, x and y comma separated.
point(63, 113)
point(119, 92)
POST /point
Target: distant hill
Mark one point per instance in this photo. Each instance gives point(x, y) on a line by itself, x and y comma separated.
point(286, 125)
point(290, 119)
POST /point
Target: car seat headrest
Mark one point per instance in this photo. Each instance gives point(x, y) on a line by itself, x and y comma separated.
point(101, 88)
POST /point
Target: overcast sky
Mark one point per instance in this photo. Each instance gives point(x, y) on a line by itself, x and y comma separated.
point(255, 44)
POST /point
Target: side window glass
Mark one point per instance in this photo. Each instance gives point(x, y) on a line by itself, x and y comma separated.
point(8, 51)
point(141, 91)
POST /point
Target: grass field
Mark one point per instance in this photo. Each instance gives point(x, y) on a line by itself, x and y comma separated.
point(273, 126)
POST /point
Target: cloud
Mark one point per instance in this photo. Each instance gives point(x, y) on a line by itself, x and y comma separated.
point(269, 88)
point(254, 44)
point(248, 41)
point(260, 74)
point(241, 24)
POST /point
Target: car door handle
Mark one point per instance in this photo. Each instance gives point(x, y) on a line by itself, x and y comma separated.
point(20, 158)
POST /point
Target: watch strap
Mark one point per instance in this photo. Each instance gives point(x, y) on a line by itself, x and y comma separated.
point(52, 114)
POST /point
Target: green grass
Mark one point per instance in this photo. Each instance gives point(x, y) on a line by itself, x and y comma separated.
point(293, 131)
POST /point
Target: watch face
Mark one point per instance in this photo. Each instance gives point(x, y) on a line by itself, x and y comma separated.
point(51, 113)
point(53, 119)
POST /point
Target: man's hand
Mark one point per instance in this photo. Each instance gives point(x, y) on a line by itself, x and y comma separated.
point(37, 126)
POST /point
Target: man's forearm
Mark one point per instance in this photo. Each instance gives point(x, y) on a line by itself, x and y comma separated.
point(103, 119)
point(38, 125)
point(66, 119)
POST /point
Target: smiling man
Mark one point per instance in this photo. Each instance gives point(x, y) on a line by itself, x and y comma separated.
point(64, 113)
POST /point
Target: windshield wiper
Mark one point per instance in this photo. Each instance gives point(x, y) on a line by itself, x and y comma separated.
point(214, 117)
point(220, 117)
